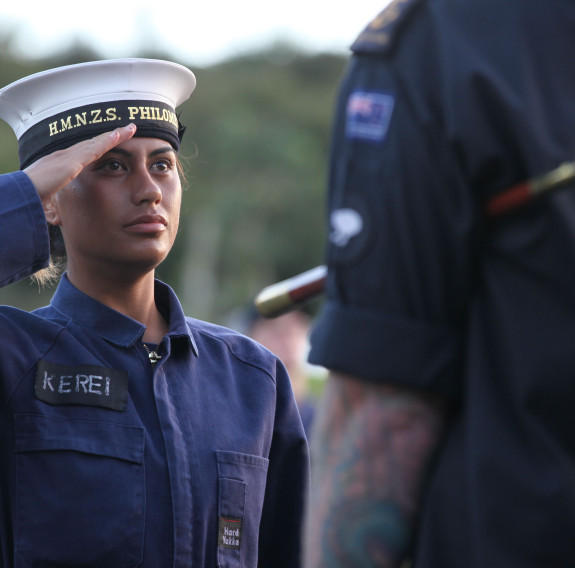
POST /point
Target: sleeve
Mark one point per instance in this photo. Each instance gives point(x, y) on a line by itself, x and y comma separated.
point(403, 228)
point(287, 483)
point(23, 231)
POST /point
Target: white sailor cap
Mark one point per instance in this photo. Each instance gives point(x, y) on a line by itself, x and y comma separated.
point(54, 109)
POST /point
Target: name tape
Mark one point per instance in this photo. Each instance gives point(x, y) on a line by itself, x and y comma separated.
point(87, 385)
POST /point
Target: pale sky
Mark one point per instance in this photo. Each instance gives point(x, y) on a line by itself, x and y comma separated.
point(193, 32)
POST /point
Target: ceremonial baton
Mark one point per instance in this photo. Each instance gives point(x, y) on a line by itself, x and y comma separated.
point(288, 294)
point(284, 296)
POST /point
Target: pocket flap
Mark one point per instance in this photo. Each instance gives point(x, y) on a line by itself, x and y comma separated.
point(41, 433)
point(233, 464)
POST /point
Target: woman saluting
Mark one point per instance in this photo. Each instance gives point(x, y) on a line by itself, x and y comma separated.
point(130, 434)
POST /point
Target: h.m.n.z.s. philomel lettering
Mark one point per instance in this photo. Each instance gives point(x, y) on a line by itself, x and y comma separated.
point(152, 113)
point(93, 116)
point(100, 115)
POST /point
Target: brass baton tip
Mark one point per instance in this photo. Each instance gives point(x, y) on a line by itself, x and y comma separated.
point(273, 300)
point(286, 295)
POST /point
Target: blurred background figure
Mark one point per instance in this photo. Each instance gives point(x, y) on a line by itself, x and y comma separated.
point(287, 337)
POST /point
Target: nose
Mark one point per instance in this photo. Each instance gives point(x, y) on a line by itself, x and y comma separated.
point(145, 188)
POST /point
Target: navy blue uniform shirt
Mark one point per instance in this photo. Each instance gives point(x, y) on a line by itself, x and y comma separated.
point(107, 462)
point(445, 104)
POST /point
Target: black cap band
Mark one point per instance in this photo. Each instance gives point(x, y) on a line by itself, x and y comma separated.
point(154, 119)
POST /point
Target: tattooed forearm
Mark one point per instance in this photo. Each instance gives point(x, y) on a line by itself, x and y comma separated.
point(370, 449)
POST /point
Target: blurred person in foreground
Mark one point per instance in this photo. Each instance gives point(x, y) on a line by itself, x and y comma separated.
point(446, 433)
point(131, 435)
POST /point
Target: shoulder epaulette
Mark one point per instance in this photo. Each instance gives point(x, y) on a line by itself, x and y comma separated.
point(380, 33)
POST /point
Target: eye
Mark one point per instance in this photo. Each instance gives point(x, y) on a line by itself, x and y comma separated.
point(109, 165)
point(114, 165)
point(163, 165)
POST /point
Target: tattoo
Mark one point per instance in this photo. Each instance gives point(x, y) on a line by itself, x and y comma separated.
point(371, 445)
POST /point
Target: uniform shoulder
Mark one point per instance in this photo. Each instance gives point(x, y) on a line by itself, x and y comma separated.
point(382, 32)
point(214, 330)
point(240, 346)
point(26, 336)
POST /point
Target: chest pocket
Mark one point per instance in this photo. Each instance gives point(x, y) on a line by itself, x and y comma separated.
point(241, 489)
point(80, 493)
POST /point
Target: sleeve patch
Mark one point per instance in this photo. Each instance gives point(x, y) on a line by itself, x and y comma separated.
point(351, 229)
point(368, 115)
point(379, 34)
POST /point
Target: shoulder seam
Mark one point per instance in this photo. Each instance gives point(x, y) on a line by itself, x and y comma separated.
point(237, 356)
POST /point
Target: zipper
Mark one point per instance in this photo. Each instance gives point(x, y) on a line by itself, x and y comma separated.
point(153, 355)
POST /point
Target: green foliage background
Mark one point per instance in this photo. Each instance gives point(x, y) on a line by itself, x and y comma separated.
point(255, 150)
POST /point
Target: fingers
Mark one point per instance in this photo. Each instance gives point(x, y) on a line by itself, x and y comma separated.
point(98, 146)
point(51, 173)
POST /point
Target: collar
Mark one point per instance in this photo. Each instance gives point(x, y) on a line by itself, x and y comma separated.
point(114, 326)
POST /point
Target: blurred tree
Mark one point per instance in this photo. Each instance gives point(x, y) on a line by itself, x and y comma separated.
point(254, 210)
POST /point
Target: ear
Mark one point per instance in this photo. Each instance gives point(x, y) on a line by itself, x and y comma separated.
point(51, 211)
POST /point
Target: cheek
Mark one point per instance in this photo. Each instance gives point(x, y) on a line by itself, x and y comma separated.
point(173, 204)
point(80, 209)
point(70, 205)
point(175, 221)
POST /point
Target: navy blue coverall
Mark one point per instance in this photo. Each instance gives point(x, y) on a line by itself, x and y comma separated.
point(107, 462)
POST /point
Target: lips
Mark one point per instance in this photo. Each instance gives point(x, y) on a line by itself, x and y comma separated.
point(147, 224)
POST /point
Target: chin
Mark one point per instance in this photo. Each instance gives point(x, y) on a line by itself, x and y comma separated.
point(152, 253)
point(140, 262)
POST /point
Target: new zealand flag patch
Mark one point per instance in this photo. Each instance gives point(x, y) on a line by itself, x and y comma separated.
point(368, 115)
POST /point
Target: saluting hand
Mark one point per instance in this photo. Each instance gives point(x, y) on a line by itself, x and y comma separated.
point(53, 172)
